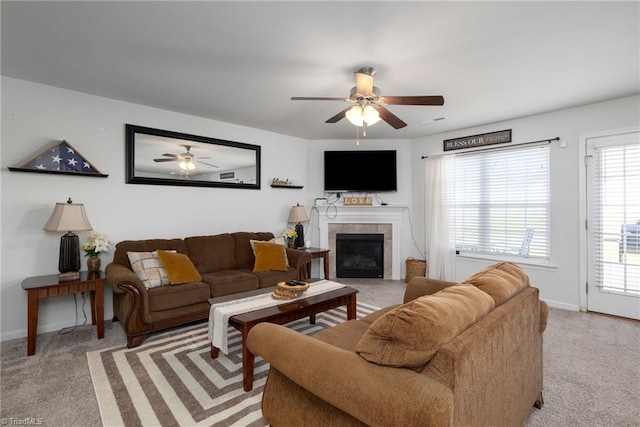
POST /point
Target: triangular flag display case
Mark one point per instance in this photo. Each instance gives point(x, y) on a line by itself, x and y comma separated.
point(60, 158)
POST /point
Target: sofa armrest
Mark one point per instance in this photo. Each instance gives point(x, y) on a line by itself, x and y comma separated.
point(130, 302)
point(346, 381)
point(420, 286)
point(118, 273)
point(298, 260)
point(544, 315)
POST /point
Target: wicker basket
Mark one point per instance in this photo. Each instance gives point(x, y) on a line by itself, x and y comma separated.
point(415, 268)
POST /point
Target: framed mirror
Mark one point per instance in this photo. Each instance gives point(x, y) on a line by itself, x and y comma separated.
point(162, 157)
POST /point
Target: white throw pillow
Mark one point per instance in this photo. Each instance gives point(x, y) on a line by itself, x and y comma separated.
point(149, 269)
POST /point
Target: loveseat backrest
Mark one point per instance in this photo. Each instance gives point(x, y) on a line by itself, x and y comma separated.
point(120, 255)
point(503, 352)
point(212, 253)
point(243, 253)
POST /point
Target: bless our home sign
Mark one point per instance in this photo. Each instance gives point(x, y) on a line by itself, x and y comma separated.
point(480, 140)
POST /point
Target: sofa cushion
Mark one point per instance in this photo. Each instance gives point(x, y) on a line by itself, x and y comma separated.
point(212, 253)
point(344, 335)
point(170, 297)
point(148, 268)
point(501, 281)
point(409, 335)
point(272, 278)
point(269, 257)
point(179, 268)
point(230, 282)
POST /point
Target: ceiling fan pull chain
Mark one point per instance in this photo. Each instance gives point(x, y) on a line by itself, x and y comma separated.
point(357, 136)
point(364, 128)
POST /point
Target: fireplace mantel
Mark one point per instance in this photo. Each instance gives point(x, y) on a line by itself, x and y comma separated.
point(340, 214)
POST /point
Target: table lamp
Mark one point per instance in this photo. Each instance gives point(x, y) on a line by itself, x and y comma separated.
point(298, 215)
point(68, 217)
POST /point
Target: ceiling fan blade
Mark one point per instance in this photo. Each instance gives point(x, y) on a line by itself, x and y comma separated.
point(165, 160)
point(316, 98)
point(412, 100)
point(208, 164)
point(338, 116)
point(390, 118)
point(170, 155)
point(364, 84)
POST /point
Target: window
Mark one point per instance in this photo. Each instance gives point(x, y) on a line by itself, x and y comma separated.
point(501, 202)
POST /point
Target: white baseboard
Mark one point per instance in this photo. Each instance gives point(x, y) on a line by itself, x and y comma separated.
point(562, 305)
point(43, 329)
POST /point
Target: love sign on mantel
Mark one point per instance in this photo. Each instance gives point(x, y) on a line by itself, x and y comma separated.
point(358, 201)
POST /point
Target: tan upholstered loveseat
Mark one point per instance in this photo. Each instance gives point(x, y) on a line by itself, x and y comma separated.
point(452, 355)
point(224, 262)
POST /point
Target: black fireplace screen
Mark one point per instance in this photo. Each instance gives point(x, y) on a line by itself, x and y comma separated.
point(360, 255)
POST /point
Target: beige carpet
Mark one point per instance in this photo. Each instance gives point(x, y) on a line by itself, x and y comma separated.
point(172, 380)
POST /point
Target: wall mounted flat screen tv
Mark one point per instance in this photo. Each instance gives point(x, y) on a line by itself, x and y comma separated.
point(359, 170)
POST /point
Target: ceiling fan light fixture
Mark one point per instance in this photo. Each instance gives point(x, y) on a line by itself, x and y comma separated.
point(371, 115)
point(358, 115)
point(355, 116)
point(187, 165)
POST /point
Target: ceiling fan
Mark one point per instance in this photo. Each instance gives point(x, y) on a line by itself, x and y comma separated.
point(186, 159)
point(370, 106)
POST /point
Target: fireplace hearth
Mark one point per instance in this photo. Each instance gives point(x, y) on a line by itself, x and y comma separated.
point(360, 255)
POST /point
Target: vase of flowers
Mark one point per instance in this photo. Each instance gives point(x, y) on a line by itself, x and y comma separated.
point(96, 243)
point(290, 235)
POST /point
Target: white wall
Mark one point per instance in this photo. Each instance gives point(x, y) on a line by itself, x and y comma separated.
point(559, 283)
point(34, 116)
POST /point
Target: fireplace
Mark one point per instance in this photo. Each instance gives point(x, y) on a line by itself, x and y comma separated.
point(360, 255)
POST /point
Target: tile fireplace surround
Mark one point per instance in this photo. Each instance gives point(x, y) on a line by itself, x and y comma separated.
point(385, 220)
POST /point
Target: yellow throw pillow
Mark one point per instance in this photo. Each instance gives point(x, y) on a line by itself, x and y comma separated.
point(279, 240)
point(270, 257)
point(179, 268)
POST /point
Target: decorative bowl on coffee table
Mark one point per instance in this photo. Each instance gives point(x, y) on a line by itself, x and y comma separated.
point(289, 290)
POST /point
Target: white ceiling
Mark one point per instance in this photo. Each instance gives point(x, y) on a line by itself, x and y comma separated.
point(241, 62)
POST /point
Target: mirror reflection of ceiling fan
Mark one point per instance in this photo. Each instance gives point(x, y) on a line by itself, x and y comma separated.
point(187, 161)
point(370, 106)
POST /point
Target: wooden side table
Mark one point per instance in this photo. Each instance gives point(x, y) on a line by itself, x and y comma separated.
point(41, 287)
point(318, 253)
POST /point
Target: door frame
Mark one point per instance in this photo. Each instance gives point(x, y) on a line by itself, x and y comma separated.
point(582, 200)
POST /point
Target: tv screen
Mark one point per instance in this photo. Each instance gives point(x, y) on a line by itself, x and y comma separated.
point(370, 171)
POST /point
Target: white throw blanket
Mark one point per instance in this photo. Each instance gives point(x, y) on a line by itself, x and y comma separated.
point(220, 313)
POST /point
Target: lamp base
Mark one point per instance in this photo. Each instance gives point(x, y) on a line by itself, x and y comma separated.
point(69, 260)
point(300, 236)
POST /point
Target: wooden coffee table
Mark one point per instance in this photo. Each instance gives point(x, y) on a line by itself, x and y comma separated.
point(286, 312)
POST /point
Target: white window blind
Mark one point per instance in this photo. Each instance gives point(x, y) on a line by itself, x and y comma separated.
point(501, 202)
point(617, 216)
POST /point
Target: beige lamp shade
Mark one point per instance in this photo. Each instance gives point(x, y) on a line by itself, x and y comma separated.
point(298, 214)
point(68, 217)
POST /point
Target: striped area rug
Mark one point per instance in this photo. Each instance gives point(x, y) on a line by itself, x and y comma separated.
point(171, 379)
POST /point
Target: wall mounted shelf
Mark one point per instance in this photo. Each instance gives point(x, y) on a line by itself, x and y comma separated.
point(286, 186)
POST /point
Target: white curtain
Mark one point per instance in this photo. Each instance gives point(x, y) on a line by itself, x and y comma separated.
point(440, 227)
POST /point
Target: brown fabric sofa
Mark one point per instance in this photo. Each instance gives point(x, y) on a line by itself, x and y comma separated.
point(449, 356)
point(225, 263)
